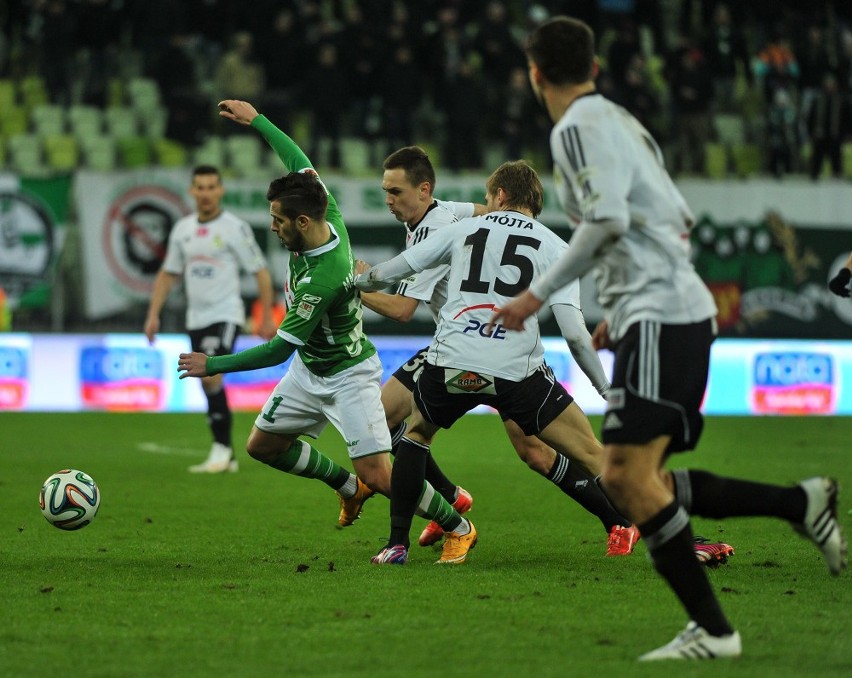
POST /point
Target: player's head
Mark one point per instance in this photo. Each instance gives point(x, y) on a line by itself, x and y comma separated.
point(408, 182)
point(562, 51)
point(297, 202)
point(514, 185)
point(207, 190)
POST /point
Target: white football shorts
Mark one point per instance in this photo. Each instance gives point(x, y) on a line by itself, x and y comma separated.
point(303, 403)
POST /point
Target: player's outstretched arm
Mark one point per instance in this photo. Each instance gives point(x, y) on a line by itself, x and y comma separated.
point(244, 113)
point(273, 352)
point(572, 325)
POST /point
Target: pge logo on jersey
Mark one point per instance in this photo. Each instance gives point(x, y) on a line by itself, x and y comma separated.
point(124, 379)
point(13, 377)
point(793, 383)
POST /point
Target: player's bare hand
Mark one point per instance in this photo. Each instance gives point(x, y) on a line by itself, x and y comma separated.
point(152, 326)
point(513, 314)
point(361, 267)
point(241, 112)
point(192, 365)
point(600, 337)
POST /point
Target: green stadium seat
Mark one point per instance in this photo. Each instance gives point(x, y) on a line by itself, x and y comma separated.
point(62, 152)
point(48, 120)
point(25, 155)
point(354, 156)
point(14, 121)
point(846, 160)
point(143, 93)
point(134, 151)
point(169, 153)
point(33, 92)
point(121, 122)
point(715, 161)
point(747, 160)
point(243, 154)
point(99, 153)
point(8, 94)
point(730, 129)
point(153, 121)
point(210, 152)
point(85, 121)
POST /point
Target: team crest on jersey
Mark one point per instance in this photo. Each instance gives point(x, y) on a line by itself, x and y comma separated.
point(305, 309)
point(312, 298)
point(466, 381)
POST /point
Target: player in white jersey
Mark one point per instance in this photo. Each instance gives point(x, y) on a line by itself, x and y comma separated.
point(208, 249)
point(659, 318)
point(472, 362)
point(408, 182)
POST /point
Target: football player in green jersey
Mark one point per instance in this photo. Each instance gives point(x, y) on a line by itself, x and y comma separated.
point(335, 375)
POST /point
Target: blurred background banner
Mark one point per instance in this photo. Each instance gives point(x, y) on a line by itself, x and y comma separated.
point(122, 372)
point(33, 215)
point(765, 248)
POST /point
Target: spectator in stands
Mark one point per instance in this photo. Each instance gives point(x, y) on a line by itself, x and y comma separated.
point(465, 106)
point(98, 31)
point(52, 30)
point(727, 56)
point(240, 75)
point(402, 95)
point(828, 127)
point(815, 60)
point(637, 95)
point(329, 100)
point(520, 108)
point(622, 50)
point(189, 117)
point(284, 58)
point(776, 66)
point(781, 134)
point(691, 98)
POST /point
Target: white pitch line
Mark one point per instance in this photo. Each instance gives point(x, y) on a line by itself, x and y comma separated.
point(156, 448)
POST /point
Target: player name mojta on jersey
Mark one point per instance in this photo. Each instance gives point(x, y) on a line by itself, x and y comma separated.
point(507, 220)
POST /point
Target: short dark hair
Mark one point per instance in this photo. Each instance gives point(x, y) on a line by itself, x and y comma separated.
point(299, 193)
point(563, 49)
point(520, 183)
point(415, 161)
point(206, 169)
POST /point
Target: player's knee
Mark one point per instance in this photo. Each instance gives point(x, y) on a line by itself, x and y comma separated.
point(536, 456)
point(259, 448)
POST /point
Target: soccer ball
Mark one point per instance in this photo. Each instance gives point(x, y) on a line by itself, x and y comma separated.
point(69, 499)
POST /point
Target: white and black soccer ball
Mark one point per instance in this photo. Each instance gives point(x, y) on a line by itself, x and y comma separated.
point(69, 499)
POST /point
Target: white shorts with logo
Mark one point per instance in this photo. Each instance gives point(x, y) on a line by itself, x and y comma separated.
point(303, 403)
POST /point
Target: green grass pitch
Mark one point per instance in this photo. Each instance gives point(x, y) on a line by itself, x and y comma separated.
point(247, 575)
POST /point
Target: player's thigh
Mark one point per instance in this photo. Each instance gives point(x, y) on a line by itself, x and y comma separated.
point(536, 454)
point(571, 434)
point(295, 406)
point(375, 471)
point(396, 401)
point(354, 405)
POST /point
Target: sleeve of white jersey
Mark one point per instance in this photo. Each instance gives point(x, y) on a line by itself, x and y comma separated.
point(174, 261)
point(246, 249)
point(434, 250)
point(588, 154)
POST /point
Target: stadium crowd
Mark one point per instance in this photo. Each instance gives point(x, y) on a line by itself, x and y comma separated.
point(768, 76)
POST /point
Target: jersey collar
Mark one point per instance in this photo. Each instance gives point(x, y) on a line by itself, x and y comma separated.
point(411, 227)
point(322, 249)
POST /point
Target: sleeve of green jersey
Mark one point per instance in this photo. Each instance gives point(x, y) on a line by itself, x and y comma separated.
point(291, 155)
point(273, 352)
